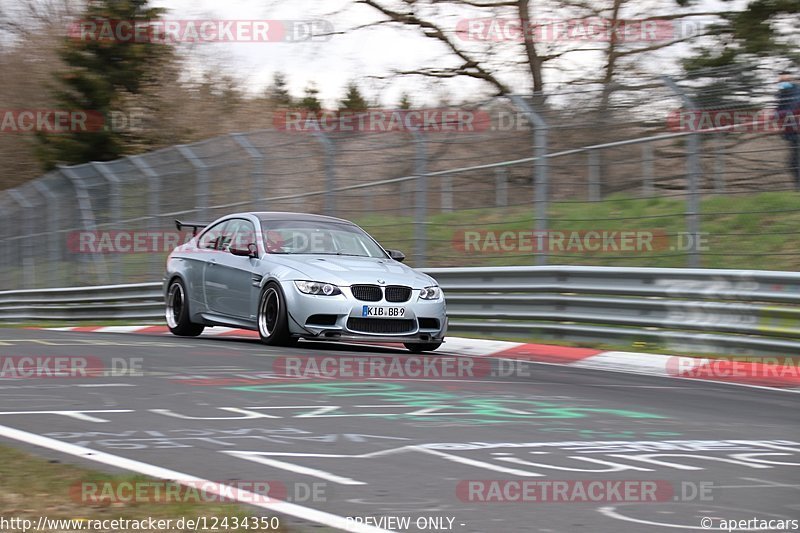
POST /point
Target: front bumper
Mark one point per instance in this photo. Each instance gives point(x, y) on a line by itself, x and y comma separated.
point(305, 311)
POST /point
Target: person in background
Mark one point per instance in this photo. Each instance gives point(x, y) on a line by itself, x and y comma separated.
point(789, 114)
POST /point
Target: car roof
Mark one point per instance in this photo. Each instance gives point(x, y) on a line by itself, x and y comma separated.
point(297, 217)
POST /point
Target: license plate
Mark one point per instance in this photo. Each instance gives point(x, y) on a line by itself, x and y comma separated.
point(382, 311)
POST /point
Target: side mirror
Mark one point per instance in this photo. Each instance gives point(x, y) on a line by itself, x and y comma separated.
point(251, 251)
point(397, 255)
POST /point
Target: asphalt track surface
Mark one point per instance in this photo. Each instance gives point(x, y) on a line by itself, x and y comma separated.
point(215, 408)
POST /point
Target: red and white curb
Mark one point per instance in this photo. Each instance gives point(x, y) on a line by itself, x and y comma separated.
point(741, 371)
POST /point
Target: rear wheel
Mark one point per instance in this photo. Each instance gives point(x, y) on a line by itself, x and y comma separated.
point(272, 318)
point(422, 347)
point(177, 312)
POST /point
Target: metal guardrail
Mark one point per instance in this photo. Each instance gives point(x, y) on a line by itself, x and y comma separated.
point(729, 311)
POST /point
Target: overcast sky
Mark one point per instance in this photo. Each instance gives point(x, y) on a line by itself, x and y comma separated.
point(372, 51)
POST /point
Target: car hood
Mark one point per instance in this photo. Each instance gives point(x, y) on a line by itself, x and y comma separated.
point(346, 270)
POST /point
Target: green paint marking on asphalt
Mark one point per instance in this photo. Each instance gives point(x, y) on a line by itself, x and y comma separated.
point(488, 409)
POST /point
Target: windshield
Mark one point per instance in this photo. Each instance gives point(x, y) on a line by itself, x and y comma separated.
point(291, 237)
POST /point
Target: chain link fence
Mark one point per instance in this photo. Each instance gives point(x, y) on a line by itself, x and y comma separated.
point(652, 173)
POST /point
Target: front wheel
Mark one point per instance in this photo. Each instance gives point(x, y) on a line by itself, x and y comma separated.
point(422, 347)
point(177, 312)
point(273, 324)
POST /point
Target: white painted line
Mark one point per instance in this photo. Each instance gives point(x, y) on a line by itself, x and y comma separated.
point(635, 371)
point(611, 512)
point(95, 385)
point(620, 362)
point(644, 363)
point(120, 329)
point(291, 509)
point(477, 464)
point(79, 415)
point(464, 346)
point(220, 330)
point(257, 457)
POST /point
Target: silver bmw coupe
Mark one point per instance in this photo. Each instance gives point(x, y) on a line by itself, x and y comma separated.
point(291, 276)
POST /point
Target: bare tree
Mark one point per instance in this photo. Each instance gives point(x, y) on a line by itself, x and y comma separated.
point(495, 57)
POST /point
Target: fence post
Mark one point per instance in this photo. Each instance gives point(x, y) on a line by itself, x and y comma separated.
point(501, 187)
point(329, 204)
point(27, 262)
point(87, 217)
point(447, 193)
point(540, 171)
point(647, 170)
point(719, 164)
point(54, 236)
point(594, 176)
point(203, 183)
point(420, 199)
point(116, 208)
point(693, 177)
point(6, 260)
point(257, 172)
point(153, 196)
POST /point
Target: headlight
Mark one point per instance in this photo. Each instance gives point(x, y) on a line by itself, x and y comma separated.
point(317, 288)
point(430, 293)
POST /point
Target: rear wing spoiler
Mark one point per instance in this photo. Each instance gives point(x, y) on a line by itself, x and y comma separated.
point(194, 225)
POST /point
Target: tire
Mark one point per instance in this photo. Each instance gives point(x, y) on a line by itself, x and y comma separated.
point(177, 312)
point(272, 317)
point(423, 347)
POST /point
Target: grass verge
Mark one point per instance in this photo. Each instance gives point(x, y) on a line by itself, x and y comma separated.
point(31, 487)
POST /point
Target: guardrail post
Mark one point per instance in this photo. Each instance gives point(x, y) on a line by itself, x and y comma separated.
point(87, 217)
point(647, 170)
point(203, 187)
point(115, 208)
point(421, 199)
point(693, 178)
point(594, 176)
point(540, 172)
point(447, 193)
point(27, 262)
point(501, 187)
point(54, 237)
point(153, 196)
point(258, 175)
point(329, 204)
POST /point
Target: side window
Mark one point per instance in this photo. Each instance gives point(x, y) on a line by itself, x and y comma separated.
point(210, 239)
point(239, 234)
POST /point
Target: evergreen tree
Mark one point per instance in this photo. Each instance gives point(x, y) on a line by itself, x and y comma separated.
point(353, 100)
point(405, 101)
point(747, 35)
point(103, 72)
point(278, 93)
point(726, 68)
point(310, 100)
